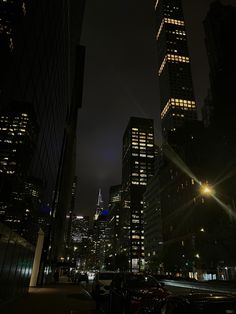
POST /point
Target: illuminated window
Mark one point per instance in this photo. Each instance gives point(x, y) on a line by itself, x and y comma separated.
point(173, 21)
point(173, 59)
point(170, 21)
point(180, 104)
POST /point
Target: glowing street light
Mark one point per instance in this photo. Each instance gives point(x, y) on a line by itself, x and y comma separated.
point(206, 189)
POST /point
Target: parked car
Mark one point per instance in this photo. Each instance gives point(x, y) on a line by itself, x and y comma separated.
point(101, 284)
point(135, 293)
point(199, 303)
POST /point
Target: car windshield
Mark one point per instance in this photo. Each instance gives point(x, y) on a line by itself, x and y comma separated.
point(224, 307)
point(141, 281)
point(106, 276)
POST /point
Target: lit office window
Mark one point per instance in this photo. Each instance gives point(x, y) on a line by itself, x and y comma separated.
point(182, 104)
point(173, 59)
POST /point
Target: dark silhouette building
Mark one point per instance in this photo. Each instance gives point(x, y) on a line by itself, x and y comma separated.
point(38, 75)
point(100, 233)
point(12, 14)
point(220, 28)
point(46, 70)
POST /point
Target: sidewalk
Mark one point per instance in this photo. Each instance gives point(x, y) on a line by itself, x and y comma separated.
point(60, 298)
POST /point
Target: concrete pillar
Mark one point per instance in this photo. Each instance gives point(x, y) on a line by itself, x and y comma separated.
point(37, 258)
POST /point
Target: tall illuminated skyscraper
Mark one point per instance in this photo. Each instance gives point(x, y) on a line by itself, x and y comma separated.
point(174, 71)
point(137, 168)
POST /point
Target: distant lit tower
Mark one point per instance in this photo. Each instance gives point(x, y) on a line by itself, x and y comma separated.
point(137, 169)
point(79, 228)
point(100, 236)
point(69, 215)
point(174, 71)
point(115, 195)
point(99, 205)
point(80, 242)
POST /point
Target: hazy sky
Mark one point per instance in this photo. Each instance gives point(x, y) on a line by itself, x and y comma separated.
point(121, 81)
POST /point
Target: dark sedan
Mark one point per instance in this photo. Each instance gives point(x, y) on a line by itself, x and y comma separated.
point(199, 303)
point(135, 293)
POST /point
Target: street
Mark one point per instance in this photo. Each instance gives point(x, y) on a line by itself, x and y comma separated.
point(184, 287)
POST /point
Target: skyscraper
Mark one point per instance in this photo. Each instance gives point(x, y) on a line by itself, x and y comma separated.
point(182, 155)
point(18, 135)
point(46, 70)
point(38, 75)
point(12, 14)
point(220, 28)
point(115, 194)
point(174, 71)
point(100, 232)
point(137, 168)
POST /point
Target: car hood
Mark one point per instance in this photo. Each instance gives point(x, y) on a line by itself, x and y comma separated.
point(105, 282)
point(150, 291)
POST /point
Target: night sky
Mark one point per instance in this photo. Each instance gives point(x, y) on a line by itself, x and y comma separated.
point(121, 81)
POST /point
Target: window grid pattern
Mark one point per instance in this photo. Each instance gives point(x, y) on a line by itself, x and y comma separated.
point(181, 104)
point(173, 59)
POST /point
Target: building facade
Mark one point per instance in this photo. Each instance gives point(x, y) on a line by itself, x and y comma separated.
point(115, 195)
point(174, 71)
point(181, 170)
point(137, 169)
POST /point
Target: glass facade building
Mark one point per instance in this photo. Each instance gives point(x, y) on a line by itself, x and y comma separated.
point(16, 260)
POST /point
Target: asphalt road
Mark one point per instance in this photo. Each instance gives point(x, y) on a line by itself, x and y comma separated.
point(182, 287)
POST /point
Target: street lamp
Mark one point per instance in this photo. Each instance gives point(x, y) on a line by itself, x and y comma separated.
point(206, 189)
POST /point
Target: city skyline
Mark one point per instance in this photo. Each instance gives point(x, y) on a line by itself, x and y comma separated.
point(121, 60)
